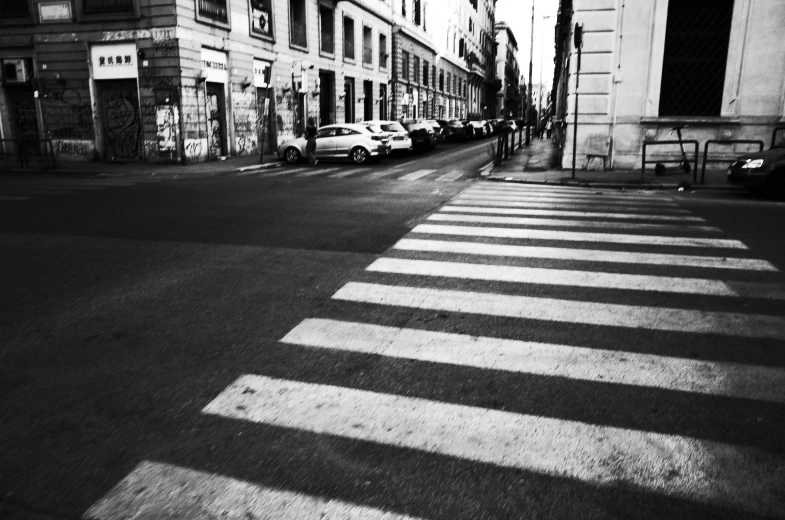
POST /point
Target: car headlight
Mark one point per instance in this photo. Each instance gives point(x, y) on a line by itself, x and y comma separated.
point(752, 163)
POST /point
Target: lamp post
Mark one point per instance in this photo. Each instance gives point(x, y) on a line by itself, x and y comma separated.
point(529, 92)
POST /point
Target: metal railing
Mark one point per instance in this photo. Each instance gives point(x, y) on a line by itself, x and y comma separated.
point(22, 151)
point(724, 141)
point(215, 9)
point(685, 142)
point(505, 145)
point(107, 6)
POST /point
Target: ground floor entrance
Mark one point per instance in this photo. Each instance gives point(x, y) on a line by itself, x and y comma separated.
point(121, 130)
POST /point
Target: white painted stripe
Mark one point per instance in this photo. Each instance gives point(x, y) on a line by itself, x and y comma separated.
point(563, 213)
point(382, 173)
point(283, 171)
point(541, 234)
point(451, 176)
point(524, 221)
point(515, 186)
point(51, 187)
point(539, 276)
point(568, 311)
point(346, 173)
point(415, 175)
point(585, 255)
point(312, 172)
point(561, 195)
point(14, 198)
point(26, 192)
point(563, 205)
point(570, 200)
point(161, 491)
point(706, 471)
point(585, 364)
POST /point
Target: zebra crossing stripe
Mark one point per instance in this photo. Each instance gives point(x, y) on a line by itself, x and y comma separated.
point(562, 206)
point(585, 364)
point(568, 311)
point(570, 200)
point(415, 175)
point(345, 173)
point(673, 465)
point(382, 173)
point(561, 213)
point(518, 188)
point(539, 276)
point(450, 176)
point(313, 172)
point(561, 195)
point(539, 234)
point(165, 491)
point(586, 255)
point(527, 221)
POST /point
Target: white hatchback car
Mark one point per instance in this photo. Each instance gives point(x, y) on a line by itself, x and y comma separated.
point(339, 141)
point(399, 137)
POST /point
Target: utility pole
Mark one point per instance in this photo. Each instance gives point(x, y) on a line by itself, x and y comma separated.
point(578, 35)
point(529, 90)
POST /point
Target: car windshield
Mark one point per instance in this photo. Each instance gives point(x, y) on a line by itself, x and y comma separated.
point(392, 127)
point(455, 122)
point(374, 129)
point(412, 126)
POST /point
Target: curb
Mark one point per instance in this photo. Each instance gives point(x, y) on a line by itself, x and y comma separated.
point(589, 184)
point(256, 167)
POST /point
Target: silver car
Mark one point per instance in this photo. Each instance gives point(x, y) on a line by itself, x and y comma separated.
point(399, 137)
point(339, 141)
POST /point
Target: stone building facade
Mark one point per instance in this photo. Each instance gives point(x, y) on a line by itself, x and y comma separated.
point(194, 80)
point(508, 98)
point(650, 65)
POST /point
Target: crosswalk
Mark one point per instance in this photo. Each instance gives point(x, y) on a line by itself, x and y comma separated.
point(19, 190)
point(646, 279)
point(407, 172)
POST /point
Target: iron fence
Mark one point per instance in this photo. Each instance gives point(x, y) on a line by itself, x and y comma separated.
point(107, 6)
point(215, 9)
point(27, 153)
point(724, 142)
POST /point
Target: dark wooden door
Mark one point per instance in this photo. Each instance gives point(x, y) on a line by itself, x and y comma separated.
point(122, 131)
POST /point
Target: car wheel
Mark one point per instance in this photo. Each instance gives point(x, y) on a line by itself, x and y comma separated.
point(775, 187)
point(359, 155)
point(292, 155)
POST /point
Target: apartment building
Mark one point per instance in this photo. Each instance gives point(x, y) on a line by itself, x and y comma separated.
point(650, 65)
point(508, 98)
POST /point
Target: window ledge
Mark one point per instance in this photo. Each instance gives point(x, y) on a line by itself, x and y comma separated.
point(297, 47)
point(368, 66)
point(350, 61)
point(690, 120)
point(330, 55)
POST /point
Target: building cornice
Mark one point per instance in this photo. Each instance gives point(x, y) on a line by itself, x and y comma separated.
point(454, 62)
point(379, 14)
point(408, 32)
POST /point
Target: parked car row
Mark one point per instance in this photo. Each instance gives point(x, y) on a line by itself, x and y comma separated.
point(372, 140)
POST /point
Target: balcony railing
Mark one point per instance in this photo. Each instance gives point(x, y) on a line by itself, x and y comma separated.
point(299, 35)
point(14, 9)
point(215, 9)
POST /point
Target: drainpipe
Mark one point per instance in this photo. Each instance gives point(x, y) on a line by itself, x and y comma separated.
point(615, 85)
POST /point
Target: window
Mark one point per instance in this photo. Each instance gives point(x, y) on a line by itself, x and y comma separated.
point(460, 48)
point(416, 69)
point(448, 82)
point(471, 25)
point(367, 46)
point(403, 8)
point(441, 80)
point(382, 51)
point(425, 73)
point(261, 18)
point(348, 38)
point(405, 65)
point(14, 9)
point(417, 11)
point(455, 84)
point(117, 6)
point(346, 131)
point(212, 9)
point(327, 29)
point(299, 35)
point(325, 132)
point(696, 50)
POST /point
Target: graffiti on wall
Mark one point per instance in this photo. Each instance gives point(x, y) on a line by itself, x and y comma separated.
point(164, 42)
point(76, 149)
point(68, 115)
point(26, 121)
point(246, 121)
point(284, 116)
point(121, 125)
point(214, 129)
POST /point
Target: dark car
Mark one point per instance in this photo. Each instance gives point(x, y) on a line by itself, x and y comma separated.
point(468, 128)
point(438, 131)
point(761, 171)
point(421, 134)
point(454, 130)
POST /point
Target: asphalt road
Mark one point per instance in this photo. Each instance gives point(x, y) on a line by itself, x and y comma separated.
point(257, 344)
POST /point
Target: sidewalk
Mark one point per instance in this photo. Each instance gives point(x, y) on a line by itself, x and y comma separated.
point(533, 165)
point(140, 169)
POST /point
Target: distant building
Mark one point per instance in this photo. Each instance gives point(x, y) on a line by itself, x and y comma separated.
point(508, 99)
point(193, 80)
point(650, 65)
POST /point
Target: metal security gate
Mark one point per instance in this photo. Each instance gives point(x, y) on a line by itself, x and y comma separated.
point(215, 120)
point(263, 109)
point(122, 131)
point(24, 120)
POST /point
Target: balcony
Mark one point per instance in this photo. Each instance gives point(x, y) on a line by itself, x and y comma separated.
point(214, 9)
point(14, 9)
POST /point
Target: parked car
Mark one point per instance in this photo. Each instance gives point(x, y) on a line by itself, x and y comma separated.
point(399, 136)
point(478, 129)
point(761, 171)
point(421, 134)
point(438, 131)
point(355, 142)
point(454, 130)
point(467, 128)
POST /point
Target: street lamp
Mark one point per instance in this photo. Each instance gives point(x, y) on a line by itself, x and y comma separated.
point(529, 93)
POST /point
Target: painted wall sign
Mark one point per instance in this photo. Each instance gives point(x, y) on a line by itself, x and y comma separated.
point(49, 12)
point(216, 64)
point(114, 61)
point(261, 73)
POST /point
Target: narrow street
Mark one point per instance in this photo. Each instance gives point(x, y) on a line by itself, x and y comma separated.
point(390, 341)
